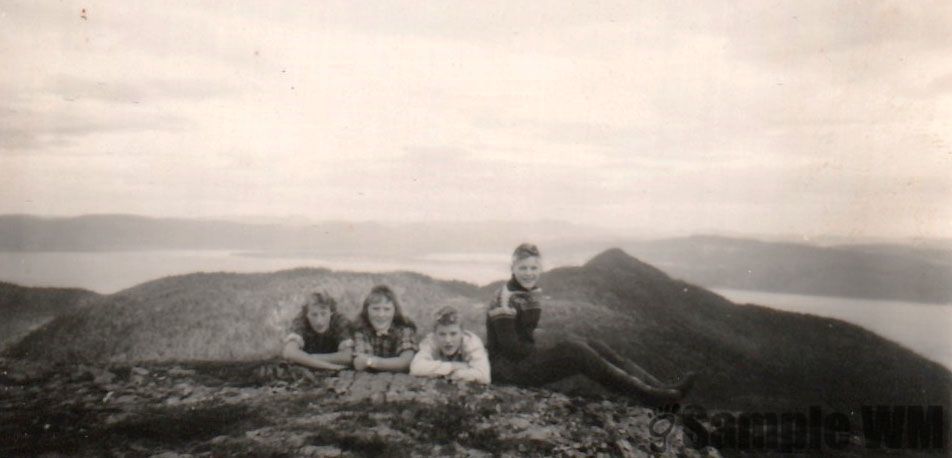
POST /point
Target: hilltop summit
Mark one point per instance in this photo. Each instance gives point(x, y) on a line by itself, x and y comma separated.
point(617, 260)
point(748, 357)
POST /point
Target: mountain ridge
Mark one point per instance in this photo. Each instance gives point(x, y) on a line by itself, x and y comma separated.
point(749, 356)
point(912, 272)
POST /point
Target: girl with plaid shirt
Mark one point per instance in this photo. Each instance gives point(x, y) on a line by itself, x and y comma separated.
point(320, 336)
point(384, 339)
point(511, 320)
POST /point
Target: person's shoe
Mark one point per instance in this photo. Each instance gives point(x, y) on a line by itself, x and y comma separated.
point(657, 397)
point(686, 383)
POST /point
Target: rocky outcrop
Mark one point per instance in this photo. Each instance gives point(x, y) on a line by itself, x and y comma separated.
point(264, 409)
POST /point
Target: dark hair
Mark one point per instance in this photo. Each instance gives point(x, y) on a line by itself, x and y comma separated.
point(318, 298)
point(525, 250)
point(380, 293)
point(446, 316)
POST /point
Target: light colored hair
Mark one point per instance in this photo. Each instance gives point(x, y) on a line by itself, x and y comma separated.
point(447, 316)
point(525, 250)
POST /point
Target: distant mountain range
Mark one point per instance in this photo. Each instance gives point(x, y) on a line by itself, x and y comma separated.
point(885, 271)
point(919, 272)
point(750, 357)
point(127, 232)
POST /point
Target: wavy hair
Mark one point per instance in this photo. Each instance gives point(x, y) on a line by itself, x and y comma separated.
point(320, 299)
point(379, 294)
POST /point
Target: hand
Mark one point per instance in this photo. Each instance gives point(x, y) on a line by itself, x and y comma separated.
point(360, 361)
point(457, 376)
point(346, 345)
point(502, 311)
point(334, 367)
point(457, 366)
point(504, 296)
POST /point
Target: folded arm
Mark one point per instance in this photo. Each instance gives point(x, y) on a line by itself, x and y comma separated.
point(395, 364)
point(476, 369)
point(293, 351)
point(424, 365)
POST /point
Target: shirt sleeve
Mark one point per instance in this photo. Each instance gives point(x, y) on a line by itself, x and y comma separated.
point(407, 340)
point(477, 359)
point(361, 345)
point(425, 365)
point(497, 301)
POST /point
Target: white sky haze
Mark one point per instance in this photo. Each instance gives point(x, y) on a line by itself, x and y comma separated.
point(800, 117)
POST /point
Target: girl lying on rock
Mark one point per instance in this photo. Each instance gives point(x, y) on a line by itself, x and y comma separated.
point(384, 339)
point(320, 336)
point(512, 318)
point(452, 352)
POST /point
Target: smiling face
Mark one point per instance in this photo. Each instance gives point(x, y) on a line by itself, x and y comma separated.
point(527, 271)
point(319, 317)
point(380, 314)
point(449, 338)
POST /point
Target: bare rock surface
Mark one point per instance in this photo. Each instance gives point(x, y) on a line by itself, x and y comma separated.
point(272, 409)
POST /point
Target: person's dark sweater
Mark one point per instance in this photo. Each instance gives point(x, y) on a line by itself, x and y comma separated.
point(510, 335)
point(515, 359)
point(312, 341)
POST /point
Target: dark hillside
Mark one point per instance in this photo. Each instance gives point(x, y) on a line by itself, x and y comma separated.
point(24, 309)
point(751, 356)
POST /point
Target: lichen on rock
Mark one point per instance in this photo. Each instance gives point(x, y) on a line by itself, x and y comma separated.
point(267, 408)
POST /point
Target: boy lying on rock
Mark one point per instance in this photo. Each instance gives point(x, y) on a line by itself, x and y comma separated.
point(452, 352)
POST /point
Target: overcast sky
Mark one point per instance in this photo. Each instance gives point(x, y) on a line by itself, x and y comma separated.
point(801, 117)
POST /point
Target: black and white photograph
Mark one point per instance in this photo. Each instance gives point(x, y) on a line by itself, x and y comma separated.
point(420, 228)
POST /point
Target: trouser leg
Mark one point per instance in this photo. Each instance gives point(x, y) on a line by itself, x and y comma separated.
point(574, 357)
point(626, 364)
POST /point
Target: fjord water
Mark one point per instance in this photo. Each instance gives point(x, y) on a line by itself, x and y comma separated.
point(923, 328)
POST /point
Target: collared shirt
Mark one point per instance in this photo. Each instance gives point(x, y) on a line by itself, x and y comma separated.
point(431, 362)
point(336, 336)
point(396, 340)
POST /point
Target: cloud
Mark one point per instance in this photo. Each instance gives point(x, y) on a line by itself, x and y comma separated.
point(73, 88)
point(29, 131)
point(609, 111)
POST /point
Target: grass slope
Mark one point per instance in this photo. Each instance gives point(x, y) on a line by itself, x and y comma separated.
point(25, 309)
point(750, 357)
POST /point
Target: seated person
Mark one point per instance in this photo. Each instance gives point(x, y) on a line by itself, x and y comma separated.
point(384, 339)
point(320, 336)
point(511, 320)
point(452, 352)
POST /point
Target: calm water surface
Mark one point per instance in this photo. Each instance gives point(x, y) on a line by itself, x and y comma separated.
point(923, 328)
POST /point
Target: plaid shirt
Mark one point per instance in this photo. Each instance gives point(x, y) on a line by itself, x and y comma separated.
point(396, 340)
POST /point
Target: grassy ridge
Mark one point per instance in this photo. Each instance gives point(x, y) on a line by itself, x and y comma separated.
point(219, 316)
point(25, 309)
point(750, 357)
